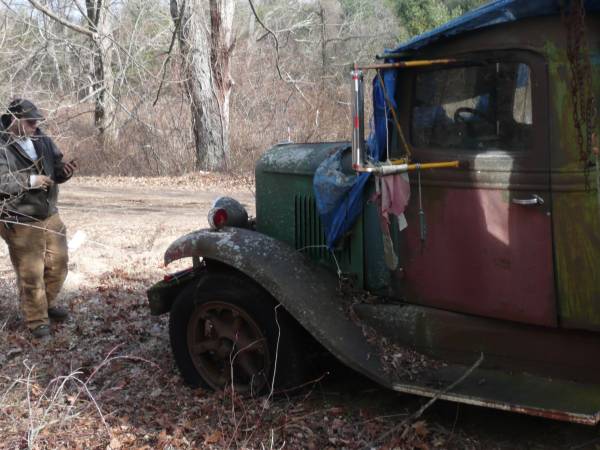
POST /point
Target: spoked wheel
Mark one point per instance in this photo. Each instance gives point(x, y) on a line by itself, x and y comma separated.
point(228, 348)
point(226, 331)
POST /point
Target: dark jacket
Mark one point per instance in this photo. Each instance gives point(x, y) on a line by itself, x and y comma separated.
point(18, 201)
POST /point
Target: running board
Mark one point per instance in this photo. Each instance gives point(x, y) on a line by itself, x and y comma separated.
point(521, 393)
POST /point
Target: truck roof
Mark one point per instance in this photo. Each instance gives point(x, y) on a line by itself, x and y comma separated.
point(493, 13)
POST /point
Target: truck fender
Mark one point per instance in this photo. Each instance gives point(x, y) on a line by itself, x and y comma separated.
point(309, 293)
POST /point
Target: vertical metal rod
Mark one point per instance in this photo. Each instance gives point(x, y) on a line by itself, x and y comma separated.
point(598, 179)
point(358, 119)
point(422, 221)
point(387, 133)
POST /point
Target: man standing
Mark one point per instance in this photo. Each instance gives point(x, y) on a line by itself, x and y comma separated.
point(31, 166)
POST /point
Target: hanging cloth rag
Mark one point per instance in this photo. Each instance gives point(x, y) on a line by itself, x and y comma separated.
point(392, 195)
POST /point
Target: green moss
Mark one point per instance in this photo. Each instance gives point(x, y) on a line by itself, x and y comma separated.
point(565, 154)
point(577, 246)
point(576, 215)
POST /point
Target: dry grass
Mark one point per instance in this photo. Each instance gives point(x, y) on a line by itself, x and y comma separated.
point(153, 141)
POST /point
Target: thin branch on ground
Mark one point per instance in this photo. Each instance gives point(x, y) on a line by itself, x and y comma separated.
point(424, 408)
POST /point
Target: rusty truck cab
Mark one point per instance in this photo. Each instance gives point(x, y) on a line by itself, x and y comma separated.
point(509, 262)
point(515, 235)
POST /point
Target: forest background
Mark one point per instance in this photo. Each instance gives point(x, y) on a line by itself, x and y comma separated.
point(127, 85)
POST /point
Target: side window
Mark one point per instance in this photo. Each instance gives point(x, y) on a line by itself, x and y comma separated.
point(479, 107)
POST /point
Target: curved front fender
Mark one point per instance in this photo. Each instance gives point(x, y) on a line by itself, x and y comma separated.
point(307, 292)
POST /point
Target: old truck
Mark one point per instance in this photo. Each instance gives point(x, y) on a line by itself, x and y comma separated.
point(487, 282)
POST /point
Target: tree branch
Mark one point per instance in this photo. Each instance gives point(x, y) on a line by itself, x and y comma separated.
point(165, 62)
point(62, 20)
point(83, 13)
point(272, 34)
point(434, 399)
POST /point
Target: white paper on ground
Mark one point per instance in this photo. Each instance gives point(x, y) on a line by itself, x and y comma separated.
point(75, 242)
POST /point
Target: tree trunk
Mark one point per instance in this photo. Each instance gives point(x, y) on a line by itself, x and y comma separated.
point(102, 74)
point(57, 72)
point(106, 106)
point(205, 39)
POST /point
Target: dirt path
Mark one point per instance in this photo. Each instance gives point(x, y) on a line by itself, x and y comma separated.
point(129, 222)
point(107, 379)
point(123, 223)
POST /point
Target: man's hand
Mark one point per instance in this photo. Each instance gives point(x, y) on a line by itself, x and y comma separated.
point(40, 182)
point(70, 167)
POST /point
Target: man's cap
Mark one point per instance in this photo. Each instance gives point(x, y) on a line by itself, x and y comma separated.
point(20, 108)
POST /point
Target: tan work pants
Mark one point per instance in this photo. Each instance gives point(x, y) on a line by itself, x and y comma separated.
point(39, 254)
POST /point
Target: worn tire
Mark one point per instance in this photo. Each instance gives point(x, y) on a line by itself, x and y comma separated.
point(211, 305)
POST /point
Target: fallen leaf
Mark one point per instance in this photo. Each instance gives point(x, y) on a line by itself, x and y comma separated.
point(420, 428)
point(336, 424)
point(156, 392)
point(115, 444)
point(213, 438)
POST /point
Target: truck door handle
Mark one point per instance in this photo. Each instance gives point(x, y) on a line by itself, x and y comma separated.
point(532, 201)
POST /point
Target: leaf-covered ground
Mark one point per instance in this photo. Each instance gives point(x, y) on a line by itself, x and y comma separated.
point(106, 378)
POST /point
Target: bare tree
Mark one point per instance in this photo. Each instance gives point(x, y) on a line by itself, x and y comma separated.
point(204, 31)
point(98, 30)
point(99, 23)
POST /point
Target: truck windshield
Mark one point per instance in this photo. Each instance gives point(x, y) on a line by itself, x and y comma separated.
point(483, 107)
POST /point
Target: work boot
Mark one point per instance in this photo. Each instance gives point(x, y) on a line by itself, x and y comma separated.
point(41, 331)
point(57, 313)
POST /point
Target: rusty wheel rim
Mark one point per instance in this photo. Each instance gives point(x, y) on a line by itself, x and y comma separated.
point(228, 348)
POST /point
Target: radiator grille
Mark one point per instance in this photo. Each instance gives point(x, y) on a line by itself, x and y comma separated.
point(309, 235)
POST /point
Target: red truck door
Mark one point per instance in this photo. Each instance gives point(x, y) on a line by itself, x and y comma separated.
point(488, 247)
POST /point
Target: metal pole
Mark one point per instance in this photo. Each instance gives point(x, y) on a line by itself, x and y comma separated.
point(408, 64)
point(598, 179)
point(358, 120)
point(391, 169)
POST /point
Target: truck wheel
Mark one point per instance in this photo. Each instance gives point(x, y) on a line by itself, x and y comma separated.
point(225, 331)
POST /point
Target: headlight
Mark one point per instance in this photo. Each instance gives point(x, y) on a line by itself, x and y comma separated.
point(227, 212)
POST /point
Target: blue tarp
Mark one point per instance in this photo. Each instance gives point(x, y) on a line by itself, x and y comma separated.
point(340, 197)
point(492, 13)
